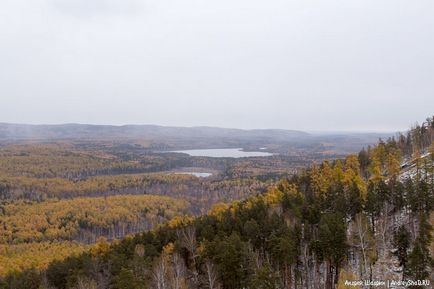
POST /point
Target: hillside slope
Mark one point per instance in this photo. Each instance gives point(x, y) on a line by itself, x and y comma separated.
point(328, 227)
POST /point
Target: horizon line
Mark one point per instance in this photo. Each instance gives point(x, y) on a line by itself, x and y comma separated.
point(310, 131)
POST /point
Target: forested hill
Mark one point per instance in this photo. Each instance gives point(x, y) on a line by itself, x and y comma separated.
point(152, 132)
point(160, 138)
point(360, 218)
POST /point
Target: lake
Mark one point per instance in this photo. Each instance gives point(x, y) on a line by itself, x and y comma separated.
point(224, 153)
point(196, 174)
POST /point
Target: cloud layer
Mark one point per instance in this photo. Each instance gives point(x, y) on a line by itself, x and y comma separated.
point(313, 65)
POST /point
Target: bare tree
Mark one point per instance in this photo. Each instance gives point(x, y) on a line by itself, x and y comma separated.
point(383, 225)
point(188, 240)
point(211, 279)
point(363, 239)
point(187, 237)
point(85, 283)
point(177, 272)
point(159, 274)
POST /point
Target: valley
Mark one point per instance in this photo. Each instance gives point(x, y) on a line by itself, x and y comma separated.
point(58, 193)
point(70, 196)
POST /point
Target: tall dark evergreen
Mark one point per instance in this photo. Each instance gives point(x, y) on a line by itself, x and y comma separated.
point(420, 261)
point(401, 241)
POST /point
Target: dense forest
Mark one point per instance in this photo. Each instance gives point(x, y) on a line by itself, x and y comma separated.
point(64, 227)
point(365, 217)
point(57, 198)
point(57, 170)
point(69, 219)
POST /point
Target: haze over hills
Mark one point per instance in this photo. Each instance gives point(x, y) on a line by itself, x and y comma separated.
point(166, 137)
point(78, 131)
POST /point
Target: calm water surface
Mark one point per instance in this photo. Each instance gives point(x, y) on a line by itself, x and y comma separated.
point(196, 174)
point(224, 153)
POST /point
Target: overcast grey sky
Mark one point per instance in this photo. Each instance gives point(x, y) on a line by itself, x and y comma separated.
point(296, 64)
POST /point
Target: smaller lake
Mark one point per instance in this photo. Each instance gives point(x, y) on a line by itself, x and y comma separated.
point(224, 153)
point(196, 174)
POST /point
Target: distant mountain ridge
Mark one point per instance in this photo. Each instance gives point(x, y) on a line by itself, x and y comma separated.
point(10, 131)
point(165, 138)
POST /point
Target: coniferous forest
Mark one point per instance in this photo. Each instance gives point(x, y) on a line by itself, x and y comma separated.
point(364, 216)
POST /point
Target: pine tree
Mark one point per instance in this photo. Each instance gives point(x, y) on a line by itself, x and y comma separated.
point(401, 242)
point(124, 280)
point(420, 261)
point(332, 240)
point(233, 260)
